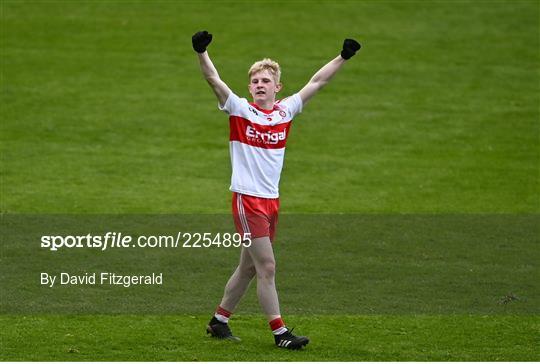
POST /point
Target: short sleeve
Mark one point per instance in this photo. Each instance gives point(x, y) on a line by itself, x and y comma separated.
point(232, 104)
point(293, 104)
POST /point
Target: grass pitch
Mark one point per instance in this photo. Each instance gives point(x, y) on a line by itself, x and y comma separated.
point(352, 338)
point(104, 111)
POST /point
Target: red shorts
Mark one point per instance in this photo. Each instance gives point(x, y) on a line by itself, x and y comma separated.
point(255, 215)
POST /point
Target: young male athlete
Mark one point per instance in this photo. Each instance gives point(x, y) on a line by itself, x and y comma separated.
point(258, 133)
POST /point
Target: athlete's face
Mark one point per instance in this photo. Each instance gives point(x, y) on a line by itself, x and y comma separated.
point(263, 88)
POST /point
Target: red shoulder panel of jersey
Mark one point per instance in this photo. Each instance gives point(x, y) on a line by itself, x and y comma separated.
point(257, 135)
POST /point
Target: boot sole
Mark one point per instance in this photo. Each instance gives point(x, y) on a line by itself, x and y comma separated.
point(213, 334)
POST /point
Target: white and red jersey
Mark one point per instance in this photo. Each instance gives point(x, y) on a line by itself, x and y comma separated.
point(257, 143)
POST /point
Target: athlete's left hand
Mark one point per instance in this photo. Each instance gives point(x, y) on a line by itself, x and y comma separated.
point(201, 40)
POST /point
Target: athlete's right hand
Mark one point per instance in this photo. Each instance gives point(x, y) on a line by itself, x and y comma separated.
point(350, 47)
point(201, 40)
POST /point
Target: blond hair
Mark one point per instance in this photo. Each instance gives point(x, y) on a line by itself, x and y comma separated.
point(266, 65)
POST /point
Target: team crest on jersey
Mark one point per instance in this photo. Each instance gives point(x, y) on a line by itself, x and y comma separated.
point(282, 114)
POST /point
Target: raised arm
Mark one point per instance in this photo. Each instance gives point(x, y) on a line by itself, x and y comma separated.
point(200, 41)
point(325, 74)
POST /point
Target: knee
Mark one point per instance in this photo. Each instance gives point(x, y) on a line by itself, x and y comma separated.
point(248, 271)
point(267, 270)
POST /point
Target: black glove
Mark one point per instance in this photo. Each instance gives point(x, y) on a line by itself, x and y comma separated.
point(201, 40)
point(350, 47)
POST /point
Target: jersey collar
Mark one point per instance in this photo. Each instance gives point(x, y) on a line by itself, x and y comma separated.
point(266, 111)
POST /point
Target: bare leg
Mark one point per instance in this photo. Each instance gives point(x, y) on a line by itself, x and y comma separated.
point(262, 255)
point(239, 282)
